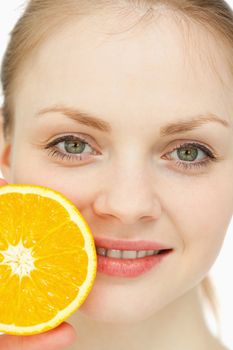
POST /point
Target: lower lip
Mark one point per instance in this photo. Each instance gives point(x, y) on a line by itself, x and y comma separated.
point(128, 267)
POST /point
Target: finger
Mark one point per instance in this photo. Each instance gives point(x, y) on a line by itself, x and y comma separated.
point(58, 338)
point(3, 182)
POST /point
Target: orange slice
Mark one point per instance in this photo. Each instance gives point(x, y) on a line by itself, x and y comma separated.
point(47, 259)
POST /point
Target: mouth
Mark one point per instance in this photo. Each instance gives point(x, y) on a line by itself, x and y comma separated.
point(129, 254)
point(122, 258)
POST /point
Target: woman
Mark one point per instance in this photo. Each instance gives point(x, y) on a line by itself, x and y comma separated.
point(125, 107)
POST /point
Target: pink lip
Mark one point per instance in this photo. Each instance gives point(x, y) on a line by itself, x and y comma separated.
point(128, 245)
point(129, 268)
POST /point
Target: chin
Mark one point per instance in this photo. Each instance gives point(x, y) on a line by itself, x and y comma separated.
point(116, 304)
point(117, 315)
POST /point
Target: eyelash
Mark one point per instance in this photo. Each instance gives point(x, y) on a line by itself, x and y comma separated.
point(55, 153)
point(190, 164)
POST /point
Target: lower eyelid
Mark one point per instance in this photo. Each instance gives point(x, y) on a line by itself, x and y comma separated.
point(195, 165)
point(54, 153)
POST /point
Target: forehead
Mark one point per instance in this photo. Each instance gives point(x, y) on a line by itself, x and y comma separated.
point(100, 56)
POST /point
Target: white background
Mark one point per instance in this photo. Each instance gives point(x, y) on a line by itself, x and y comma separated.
point(221, 272)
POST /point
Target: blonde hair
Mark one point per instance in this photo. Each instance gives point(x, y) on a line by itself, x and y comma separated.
point(42, 17)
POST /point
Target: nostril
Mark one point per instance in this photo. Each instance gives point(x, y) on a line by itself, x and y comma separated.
point(128, 208)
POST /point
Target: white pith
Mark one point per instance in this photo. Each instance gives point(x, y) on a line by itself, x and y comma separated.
point(19, 259)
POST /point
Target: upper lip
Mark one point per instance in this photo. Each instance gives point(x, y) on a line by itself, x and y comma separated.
point(128, 245)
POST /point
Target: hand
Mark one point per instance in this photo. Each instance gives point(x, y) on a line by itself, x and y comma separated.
point(3, 182)
point(58, 338)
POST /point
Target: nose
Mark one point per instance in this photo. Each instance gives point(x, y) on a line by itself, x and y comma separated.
point(127, 196)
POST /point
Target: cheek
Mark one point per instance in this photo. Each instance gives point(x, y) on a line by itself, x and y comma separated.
point(78, 183)
point(79, 187)
point(202, 221)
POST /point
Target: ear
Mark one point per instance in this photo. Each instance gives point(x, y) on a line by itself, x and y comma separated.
point(5, 148)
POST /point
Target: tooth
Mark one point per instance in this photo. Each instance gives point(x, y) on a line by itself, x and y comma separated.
point(125, 254)
point(113, 253)
point(150, 252)
point(141, 253)
point(129, 254)
point(156, 252)
point(101, 251)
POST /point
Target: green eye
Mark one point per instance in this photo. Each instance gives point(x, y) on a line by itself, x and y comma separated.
point(187, 153)
point(71, 148)
point(75, 147)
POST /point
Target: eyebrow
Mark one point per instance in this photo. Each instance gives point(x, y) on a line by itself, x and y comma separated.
point(180, 126)
point(79, 116)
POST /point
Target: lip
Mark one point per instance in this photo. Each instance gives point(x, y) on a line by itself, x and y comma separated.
point(128, 245)
point(129, 268)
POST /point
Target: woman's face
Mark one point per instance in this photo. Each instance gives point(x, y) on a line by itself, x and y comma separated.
point(128, 180)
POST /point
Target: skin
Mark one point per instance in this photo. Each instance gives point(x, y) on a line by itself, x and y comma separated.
point(137, 81)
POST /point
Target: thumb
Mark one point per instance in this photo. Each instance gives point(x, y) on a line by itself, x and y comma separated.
point(54, 339)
